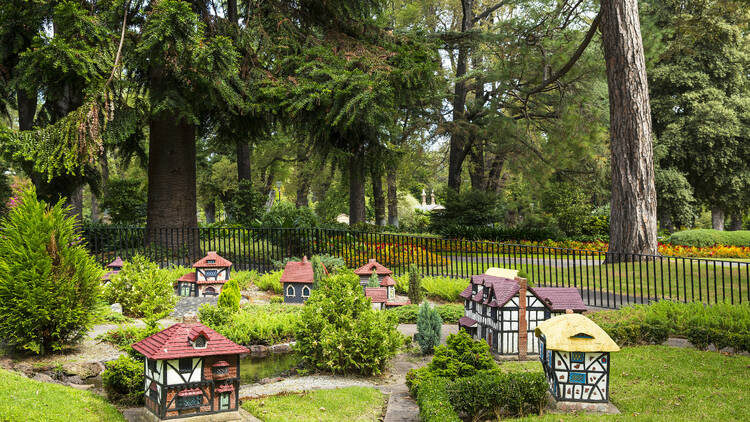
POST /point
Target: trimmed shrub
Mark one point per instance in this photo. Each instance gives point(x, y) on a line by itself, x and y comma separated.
point(710, 237)
point(229, 298)
point(49, 285)
point(142, 289)
point(415, 284)
point(253, 324)
point(339, 332)
point(501, 394)
point(407, 314)
point(123, 381)
point(270, 282)
point(429, 326)
point(434, 402)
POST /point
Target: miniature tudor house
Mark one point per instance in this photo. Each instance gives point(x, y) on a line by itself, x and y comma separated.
point(190, 370)
point(211, 272)
point(575, 356)
point(382, 297)
point(504, 312)
point(113, 268)
point(297, 280)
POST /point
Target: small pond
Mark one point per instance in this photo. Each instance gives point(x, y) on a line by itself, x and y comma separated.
point(255, 368)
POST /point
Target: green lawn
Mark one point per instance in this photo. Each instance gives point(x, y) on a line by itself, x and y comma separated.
point(22, 399)
point(661, 383)
point(343, 404)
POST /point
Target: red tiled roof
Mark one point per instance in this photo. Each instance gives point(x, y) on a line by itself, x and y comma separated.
point(298, 272)
point(372, 265)
point(190, 392)
point(224, 388)
point(466, 294)
point(559, 299)
point(408, 302)
point(117, 263)
point(211, 281)
point(173, 343)
point(387, 281)
point(195, 332)
point(188, 277)
point(220, 363)
point(218, 261)
point(377, 294)
point(466, 321)
point(109, 275)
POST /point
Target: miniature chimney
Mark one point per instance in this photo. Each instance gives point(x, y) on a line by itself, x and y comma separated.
point(432, 197)
point(522, 326)
point(304, 259)
point(424, 198)
point(568, 311)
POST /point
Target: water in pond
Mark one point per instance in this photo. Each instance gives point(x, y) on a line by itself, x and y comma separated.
point(254, 368)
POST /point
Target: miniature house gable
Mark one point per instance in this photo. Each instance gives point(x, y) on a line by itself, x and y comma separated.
point(208, 278)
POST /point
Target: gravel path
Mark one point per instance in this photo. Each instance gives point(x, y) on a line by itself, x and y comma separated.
point(298, 384)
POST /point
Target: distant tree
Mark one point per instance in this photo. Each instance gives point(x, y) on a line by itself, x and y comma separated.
point(429, 328)
point(125, 201)
point(415, 284)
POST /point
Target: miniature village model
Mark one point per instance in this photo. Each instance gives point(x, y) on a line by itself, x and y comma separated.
point(575, 355)
point(382, 297)
point(113, 268)
point(211, 272)
point(190, 370)
point(504, 312)
point(297, 280)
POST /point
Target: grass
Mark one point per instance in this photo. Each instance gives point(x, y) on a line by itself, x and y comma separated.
point(22, 399)
point(343, 404)
point(662, 383)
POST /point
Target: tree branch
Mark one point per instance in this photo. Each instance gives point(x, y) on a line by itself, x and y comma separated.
point(119, 47)
point(487, 12)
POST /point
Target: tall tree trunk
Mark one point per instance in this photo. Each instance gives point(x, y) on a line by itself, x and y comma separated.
point(495, 178)
point(477, 168)
point(633, 211)
point(736, 222)
point(210, 210)
point(75, 202)
point(390, 180)
point(94, 208)
point(378, 195)
point(356, 188)
point(171, 180)
point(243, 160)
point(303, 192)
point(26, 109)
point(717, 218)
point(459, 141)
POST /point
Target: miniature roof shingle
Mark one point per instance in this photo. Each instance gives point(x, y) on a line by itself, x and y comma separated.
point(387, 281)
point(174, 343)
point(563, 333)
point(189, 277)
point(218, 261)
point(466, 321)
point(466, 294)
point(560, 299)
point(372, 265)
point(377, 294)
point(117, 263)
point(224, 388)
point(299, 272)
point(408, 302)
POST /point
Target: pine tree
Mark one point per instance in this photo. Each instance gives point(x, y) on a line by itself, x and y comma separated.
point(429, 326)
point(318, 270)
point(230, 296)
point(415, 284)
point(374, 281)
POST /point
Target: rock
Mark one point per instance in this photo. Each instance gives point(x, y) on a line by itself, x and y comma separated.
point(6, 363)
point(244, 301)
point(80, 386)
point(24, 368)
point(83, 369)
point(190, 317)
point(281, 348)
point(270, 380)
point(43, 377)
point(259, 349)
point(116, 308)
point(74, 379)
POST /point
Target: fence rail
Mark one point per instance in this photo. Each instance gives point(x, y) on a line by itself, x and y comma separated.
point(604, 280)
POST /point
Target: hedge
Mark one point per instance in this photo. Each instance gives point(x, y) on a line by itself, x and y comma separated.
point(434, 402)
point(407, 314)
point(709, 237)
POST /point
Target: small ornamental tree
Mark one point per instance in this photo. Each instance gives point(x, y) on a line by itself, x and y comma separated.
point(429, 326)
point(415, 284)
point(374, 281)
point(142, 289)
point(49, 284)
point(318, 270)
point(339, 332)
point(230, 296)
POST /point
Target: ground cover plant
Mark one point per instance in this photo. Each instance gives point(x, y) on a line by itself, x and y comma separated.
point(23, 399)
point(434, 287)
point(339, 332)
point(49, 284)
point(722, 325)
point(341, 404)
point(407, 314)
point(709, 237)
point(253, 324)
point(270, 282)
point(142, 288)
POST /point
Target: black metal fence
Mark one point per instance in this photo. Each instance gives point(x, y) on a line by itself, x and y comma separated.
point(603, 279)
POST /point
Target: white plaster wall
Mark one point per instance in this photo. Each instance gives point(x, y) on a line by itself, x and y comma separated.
point(173, 377)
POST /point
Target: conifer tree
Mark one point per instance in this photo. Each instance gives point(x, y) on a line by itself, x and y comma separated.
point(374, 281)
point(415, 284)
point(429, 326)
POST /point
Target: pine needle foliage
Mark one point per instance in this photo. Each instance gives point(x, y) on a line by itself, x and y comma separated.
point(415, 284)
point(230, 296)
point(373, 281)
point(429, 328)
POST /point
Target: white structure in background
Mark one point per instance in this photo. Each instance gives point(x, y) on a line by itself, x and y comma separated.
point(432, 206)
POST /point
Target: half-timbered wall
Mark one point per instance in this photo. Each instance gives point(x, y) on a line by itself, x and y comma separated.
point(577, 376)
point(175, 376)
point(203, 274)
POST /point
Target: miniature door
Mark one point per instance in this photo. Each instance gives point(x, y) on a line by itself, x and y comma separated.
point(224, 401)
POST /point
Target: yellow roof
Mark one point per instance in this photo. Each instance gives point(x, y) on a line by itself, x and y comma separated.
point(575, 333)
point(502, 272)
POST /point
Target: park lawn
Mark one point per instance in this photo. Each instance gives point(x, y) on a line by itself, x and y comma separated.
point(663, 383)
point(23, 399)
point(343, 404)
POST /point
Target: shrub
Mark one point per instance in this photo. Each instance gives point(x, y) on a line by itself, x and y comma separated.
point(374, 281)
point(467, 208)
point(502, 394)
point(338, 331)
point(429, 328)
point(142, 289)
point(461, 356)
point(434, 402)
point(445, 288)
point(125, 335)
point(245, 278)
point(253, 324)
point(49, 285)
point(287, 215)
point(214, 316)
point(270, 282)
point(710, 237)
point(277, 299)
point(407, 314)
point(229, 298)
point(415, 284)
point(123, 380)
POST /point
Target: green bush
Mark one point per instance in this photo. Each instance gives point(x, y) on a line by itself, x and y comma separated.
point(125, 201)
point(276, 299)
point(434, 402)
point(373, 281)
point(245, 278)
point(49, 285)
point(253, 324)
point(123, 381)
point(142, 289)
point(467, 208)
point(339, 332)
point(429, 328)
point(436, 287)
point(229, 298)
point(287, 215)
point(125, 335)
point(415, 284)
point(708, 237)
point(407, 314)
point(270, 282)
point(245, 204)
point(505, 395)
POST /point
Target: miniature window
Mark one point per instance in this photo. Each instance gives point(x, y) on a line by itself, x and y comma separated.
point(290, 291)
point(186, 364)
point(221, 370)
point(582, 335)
point(210, 261)
point(189, 401)
point(152, 366)
point(200, 342)
point(577, 377)
point(577, 357)
point(305, 291)
point(212, 273)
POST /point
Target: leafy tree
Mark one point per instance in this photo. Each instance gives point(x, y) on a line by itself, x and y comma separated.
point(230, 296)
point(142, 289)
point(49, 285)
point(429, 328)
point(468, 208)
point(125, 201)
point(245, 204)
point(415, 284)
point(676, 205)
